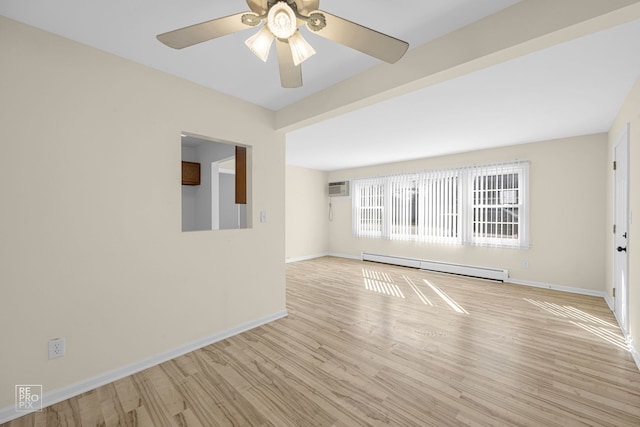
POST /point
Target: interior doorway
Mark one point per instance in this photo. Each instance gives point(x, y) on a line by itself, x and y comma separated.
point(621, 231)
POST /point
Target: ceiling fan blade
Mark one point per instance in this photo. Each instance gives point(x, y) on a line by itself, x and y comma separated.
point(258, 6)
point(366, 40)
point(305, 7)
point(198, 33)
point(290, 74)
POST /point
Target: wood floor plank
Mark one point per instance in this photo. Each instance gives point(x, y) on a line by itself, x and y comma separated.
point(368, 344)
point(172, 400)
point(111, 406)
point(128, 395)
point(187, 418)
point(90, 410)
point(155, 408)
point(140, 418)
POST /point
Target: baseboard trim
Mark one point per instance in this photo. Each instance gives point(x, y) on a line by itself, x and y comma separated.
point(634, 352)
point(9, 413)
point(346, 256)
point(553, 287)
point(610, 303)
point(630, 343)
point(305, 258)
point(309, 257)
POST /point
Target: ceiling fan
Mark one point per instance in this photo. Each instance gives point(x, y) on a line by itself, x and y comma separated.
point(282, 19)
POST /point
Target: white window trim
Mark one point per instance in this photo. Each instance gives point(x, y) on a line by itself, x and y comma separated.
point(463, 225)
point(522, 169)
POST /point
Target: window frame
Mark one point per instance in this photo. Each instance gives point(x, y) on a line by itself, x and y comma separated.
point(444, 205)
point(521, 169)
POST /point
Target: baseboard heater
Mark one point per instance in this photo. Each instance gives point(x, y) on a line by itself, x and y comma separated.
point(442, 267)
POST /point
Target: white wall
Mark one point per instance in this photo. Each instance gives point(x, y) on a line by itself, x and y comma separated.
point(91, 247)
point(307, 207)
point(567, 199)
point(629, 113)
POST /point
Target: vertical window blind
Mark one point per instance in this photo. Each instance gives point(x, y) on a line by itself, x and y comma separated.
point(482, 205)
point(368, 200)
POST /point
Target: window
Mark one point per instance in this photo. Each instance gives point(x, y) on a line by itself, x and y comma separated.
point(404, 207)
point(497, 205)
point(439, 196)
point(368, 201)
point(483, 205)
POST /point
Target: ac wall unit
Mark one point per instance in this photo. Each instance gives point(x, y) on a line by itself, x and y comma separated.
point(337, 189)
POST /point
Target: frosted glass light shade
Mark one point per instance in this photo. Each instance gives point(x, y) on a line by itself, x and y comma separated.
point(282, 20)
point(301, 50)
point(260, 43)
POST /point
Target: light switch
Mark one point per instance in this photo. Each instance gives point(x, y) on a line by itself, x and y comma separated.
point(263, 216)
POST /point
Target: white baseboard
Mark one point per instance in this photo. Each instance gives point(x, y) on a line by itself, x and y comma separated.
point(569, 289)
point(305, 258)
point(634, 351)
point(610, 302)
point(308, 257)
point(337, 255)
point(9, 413)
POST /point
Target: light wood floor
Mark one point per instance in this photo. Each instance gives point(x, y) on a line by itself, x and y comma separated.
point(370, 344)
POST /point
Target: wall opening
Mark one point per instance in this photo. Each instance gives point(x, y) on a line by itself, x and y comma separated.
point(211, 173)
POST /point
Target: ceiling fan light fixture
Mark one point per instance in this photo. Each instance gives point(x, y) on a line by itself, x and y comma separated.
point(260, 43)
point(301, 50)
point(282, 20)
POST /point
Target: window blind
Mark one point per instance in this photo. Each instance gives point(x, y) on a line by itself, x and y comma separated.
point(368, 202)
point(483, 205)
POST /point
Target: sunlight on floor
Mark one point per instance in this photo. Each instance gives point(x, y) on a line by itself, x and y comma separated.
point(446, 298)
point(381, 283)
point(417, 290)
point(606, 334)
point(598, 327)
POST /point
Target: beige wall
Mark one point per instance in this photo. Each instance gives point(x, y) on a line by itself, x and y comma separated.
point(567, 199)
point(630, 113)
point(90, 242)
point(307, 210)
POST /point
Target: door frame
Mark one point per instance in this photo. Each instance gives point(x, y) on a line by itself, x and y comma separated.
point(621, 287)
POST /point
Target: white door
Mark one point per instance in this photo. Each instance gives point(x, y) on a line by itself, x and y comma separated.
point(621, 236)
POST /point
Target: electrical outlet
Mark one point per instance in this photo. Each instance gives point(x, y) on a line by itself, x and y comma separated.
point(56, 348)
point(525, 264)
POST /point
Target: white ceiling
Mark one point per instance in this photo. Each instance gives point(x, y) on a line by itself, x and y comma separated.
point(570, 89)
point(128, 28)
point(575, 88)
